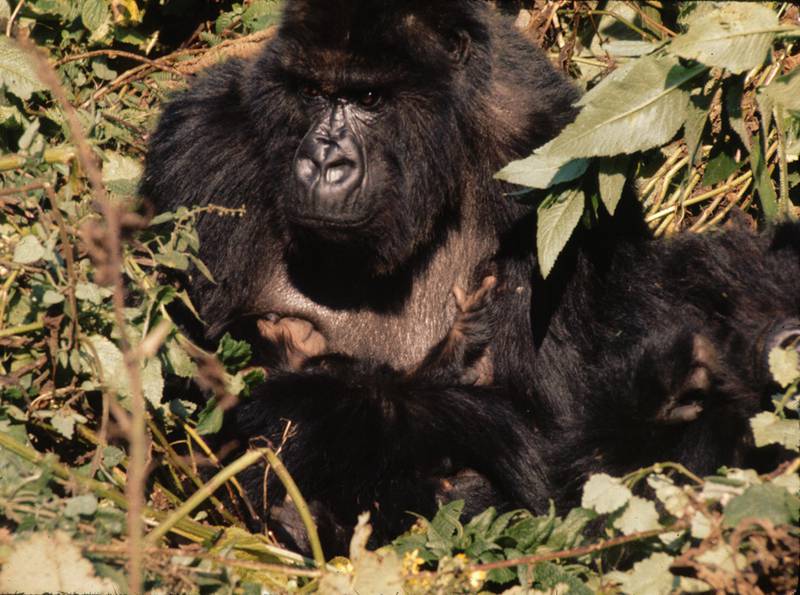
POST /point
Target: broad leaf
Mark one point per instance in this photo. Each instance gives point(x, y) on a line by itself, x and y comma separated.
point(736, 36)
point(768, 428)
point(557, 219)
point(605, 494)
point(542, 170)
point(16, 71)
point(642, 109)
point(611, 181)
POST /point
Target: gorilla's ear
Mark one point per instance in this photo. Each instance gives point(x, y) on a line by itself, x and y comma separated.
point(459, 45)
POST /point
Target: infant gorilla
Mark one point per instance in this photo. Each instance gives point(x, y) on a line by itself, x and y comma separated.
point(462, 357)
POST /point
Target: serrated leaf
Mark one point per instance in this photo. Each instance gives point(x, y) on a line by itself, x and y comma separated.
point(17, 73)
point(542, 170)
point(604, 494)
point(736, 36)
point(699, 108)
point(95, 14)
point(650, 576)
point(642, 109)
point(765, 501)
point(611, 178)
point(784, 91)
point(234, 354)
point(115, 373)
point(556, 220)
point(28, 250)
point(784, 365)
point(639, 515)
point(768, 428)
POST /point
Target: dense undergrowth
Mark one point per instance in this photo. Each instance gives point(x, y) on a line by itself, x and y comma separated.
point(100, 442)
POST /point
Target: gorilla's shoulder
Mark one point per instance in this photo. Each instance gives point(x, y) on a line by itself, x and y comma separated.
point(185, 164)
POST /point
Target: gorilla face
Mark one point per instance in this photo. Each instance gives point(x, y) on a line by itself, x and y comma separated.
point(377, 151)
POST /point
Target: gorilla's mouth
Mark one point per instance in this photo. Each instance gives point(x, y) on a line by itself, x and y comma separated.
point(319, 222)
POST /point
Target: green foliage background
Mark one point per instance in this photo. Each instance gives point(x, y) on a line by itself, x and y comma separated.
point(696, 103)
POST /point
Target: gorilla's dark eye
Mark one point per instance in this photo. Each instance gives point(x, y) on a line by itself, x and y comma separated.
point(309, 91)
point(369, 99)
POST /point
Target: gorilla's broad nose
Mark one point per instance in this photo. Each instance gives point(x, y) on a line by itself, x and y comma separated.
point(329, 169)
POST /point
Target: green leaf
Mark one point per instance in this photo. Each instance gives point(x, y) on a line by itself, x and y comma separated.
point(650, 576)
point(115, 373)
point(234, 355)
point(17, 73)
point(604, 494)
point(92, 293)
point(784, 91)
point(557, 218)
point(699, 108)
point(210, 419)
point(642, 109)
point(764, 501)
point(768, 428)
point(121, 174)
point(85, 505)
point(29, 250)
point(736, 36)
point(733, 94)
point(761, 179)
point(542, 170)
point(173, 260)
point(784, 365)
point(611, 180)
point(95, 15)
point(719, 167)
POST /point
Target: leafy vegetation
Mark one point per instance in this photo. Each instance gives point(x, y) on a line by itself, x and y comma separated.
point(100, 436)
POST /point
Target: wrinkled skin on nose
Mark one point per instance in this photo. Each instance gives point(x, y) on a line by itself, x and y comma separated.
point(329, 169)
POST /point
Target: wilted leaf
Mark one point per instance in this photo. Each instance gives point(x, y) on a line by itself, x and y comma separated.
point(557, 219)
point(29, 250)
point(736, 36)
point(784, 365)
point(637, 111)
point(605, 494)
point(650, 576)
point(50, 563)
point(16, 71)
point(640, 515)
point(768, 428)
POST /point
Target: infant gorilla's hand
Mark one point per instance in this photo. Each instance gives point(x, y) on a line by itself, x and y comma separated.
point(296, 339)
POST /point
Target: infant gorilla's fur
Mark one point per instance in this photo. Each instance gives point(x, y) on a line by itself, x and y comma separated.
point(363, 144)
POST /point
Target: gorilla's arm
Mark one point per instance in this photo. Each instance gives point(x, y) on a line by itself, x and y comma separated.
point(372, 439)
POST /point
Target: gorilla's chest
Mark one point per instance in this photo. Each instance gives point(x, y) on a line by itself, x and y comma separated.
point(400, 336)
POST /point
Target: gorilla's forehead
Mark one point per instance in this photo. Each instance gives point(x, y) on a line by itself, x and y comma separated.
point(360, 36)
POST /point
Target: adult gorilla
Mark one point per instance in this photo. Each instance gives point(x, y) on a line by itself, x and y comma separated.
point(362, 143)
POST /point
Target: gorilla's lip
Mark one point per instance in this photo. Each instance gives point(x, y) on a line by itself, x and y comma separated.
point(315, 221)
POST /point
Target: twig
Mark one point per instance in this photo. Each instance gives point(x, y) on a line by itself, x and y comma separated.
point(299, 502)
point(111, 53)
point(21, 329)
point(13, 17)
point(54, 155)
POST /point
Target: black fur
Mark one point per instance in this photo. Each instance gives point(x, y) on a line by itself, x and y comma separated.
point(595, 368)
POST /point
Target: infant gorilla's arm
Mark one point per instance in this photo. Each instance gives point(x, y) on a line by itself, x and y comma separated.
point(462, 357)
